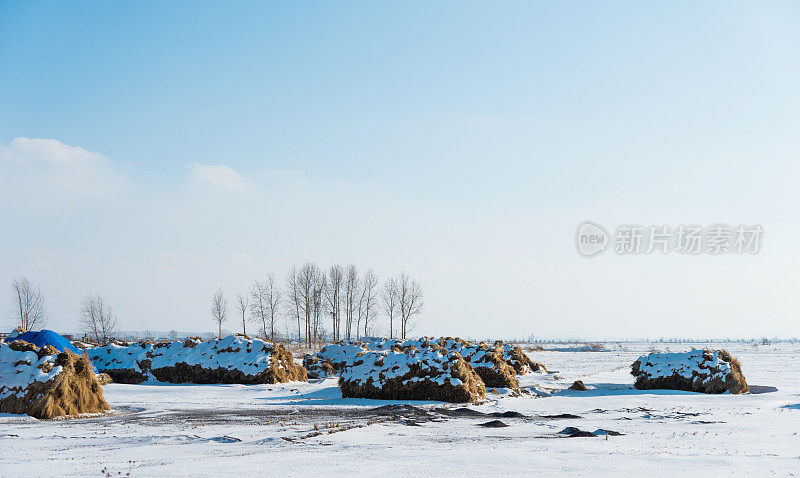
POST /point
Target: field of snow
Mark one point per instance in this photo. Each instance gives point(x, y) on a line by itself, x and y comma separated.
point(300, 429)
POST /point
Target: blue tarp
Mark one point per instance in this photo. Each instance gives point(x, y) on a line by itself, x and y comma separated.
point(46, 337)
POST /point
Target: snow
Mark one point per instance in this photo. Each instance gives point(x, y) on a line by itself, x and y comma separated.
point(19, 369)
point(230, 430)
point(340, 353)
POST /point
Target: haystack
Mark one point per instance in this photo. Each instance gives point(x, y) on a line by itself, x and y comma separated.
point(338, 354)
point(104, 379)
point(123, 363)
point(517, 358)
point(317, 367)
point(426, 374)
point(706, 371)
point(43, 383)
point(490, 365)
point(233, 359)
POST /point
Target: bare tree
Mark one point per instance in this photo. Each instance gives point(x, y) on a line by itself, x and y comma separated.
point(351, 293)
point(29, 311)
point(318, 303)
point(98, 319)
point(293, 292)
point(173, 334)
point(264, 309)
point(367, 305)
point(242, 305)
point(390, 302)
point(409, 301)
point(259, 307)
point(333, 298)
point(219, 309)
point(306, 282)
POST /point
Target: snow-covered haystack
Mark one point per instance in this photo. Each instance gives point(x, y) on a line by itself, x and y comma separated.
point(517, 358)
point(706, 371)
point(487, 360)
point(332, 358)
point(496, 364)
point(424, 374)
point(45, 383)
point(233, 359)
point(318, 367)
point(123, 363)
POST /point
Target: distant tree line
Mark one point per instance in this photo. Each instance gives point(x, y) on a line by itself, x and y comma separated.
point(97, 319)
point(337, 303)
point(334, 304)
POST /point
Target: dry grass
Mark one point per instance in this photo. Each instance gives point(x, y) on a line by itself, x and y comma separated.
point(104, 378)
point(521, 362)
point(316, 367)
point(74, 391)
point(492, 368)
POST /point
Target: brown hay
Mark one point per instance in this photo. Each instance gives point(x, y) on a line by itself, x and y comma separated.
point(104, 379)
point(521, 362)
point(316, 367)
point(734, 382)
point(74, 391)
point(472, 388)
point(578, 385)
point(492, 367)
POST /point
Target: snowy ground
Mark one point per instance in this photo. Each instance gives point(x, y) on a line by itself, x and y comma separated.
point(301, 429)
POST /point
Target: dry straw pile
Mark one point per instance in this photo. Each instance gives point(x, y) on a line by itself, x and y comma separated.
point(706, 371)
point(425, 374)
point(43, 383)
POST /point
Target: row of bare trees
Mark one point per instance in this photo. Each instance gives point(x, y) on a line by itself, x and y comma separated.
point(97, 318)
point(313, 298)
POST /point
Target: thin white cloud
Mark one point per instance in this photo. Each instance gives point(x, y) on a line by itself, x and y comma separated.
point(218, 175)
point(180, 261)
point(47, 166)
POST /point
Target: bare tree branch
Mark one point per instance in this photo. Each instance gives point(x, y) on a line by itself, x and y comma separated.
point(29, 310)
point(98, 319)
point(219, 310)
point(242, 305)
point(367, 304)
point(409, 295)
point(333, 298)
point(389, 299)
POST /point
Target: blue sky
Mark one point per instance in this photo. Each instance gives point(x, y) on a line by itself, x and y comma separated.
point(461, 141)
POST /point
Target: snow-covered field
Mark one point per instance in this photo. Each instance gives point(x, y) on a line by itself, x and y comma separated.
point(301, 429)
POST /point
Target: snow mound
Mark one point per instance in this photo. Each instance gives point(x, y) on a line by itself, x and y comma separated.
point(706, 371)
point(424, 374)
point(232, 359)
point(45, 383)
